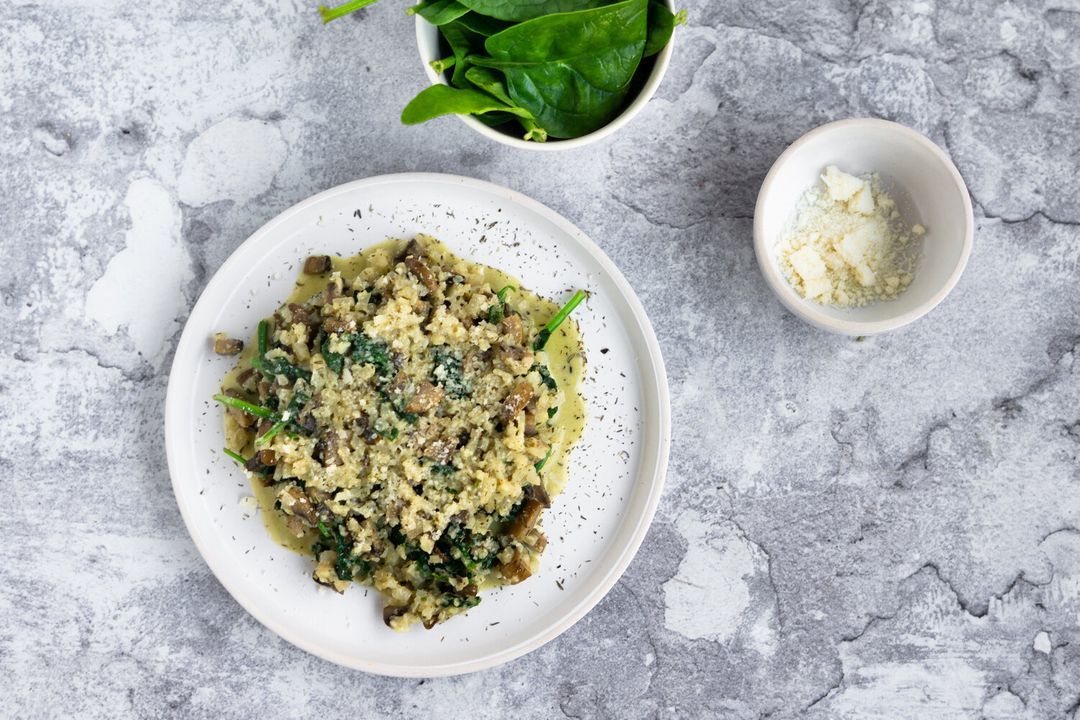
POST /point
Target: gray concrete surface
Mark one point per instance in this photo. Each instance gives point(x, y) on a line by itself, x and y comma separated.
point(875, 529)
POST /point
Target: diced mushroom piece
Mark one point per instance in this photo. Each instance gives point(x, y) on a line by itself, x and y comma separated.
point(303, 315)
point(539, 493)
point(516, 570)
point(426, 397)
point(338, 325)
point(225, 345)
point(392, 612)
point(516, 358)
point(414, 261)
point(328, 449)
point(243, 377)
point(516, 401)
point(260, 460)
point(526, 519)
point(295, 502)
point(430, 444)
point(536, 540)
point(317, 265)
point(431, 622)
point(511, 330)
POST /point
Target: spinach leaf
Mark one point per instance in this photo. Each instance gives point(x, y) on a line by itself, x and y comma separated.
point(482, 25)
point(572, 71)
point(490, 82)
point(517, 10)
point(438, 12)
point(449, 374)
point(444, 100)
point(545, 377)
point(334, 361)
point(463, 42)
point(661, 24)
point(366, 350)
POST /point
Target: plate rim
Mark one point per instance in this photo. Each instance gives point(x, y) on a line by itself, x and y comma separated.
point(173, 415)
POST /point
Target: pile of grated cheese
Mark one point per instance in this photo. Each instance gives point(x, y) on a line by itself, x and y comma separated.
point(848, 246)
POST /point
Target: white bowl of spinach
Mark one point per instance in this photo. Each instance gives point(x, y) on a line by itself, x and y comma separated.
point(541, 74)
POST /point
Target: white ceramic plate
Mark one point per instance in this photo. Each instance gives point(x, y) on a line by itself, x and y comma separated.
point(616, 472)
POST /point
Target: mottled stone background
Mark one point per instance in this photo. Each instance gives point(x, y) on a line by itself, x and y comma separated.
point(875, 529)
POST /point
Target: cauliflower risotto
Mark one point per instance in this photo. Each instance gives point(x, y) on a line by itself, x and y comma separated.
point(406, 418)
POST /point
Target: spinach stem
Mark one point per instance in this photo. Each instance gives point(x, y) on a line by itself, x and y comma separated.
point(264, 337)
point(269, 434)
point(545, 333)
point(333, 13)
point(249, 408)
point(235, 456)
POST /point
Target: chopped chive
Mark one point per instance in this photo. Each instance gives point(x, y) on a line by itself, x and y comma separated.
point(504, 292)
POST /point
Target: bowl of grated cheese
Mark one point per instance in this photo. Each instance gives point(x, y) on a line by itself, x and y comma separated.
point(862, 226)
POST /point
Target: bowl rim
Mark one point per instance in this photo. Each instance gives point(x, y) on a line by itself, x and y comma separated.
point(652, 83)
point(808, 311)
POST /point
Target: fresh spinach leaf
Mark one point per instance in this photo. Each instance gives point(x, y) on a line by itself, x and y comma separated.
point(366, 350)
point(661, 24)
point(572, 71)
point(518, 10)
point(444, 100)
point(490, 82)
point(438, 12)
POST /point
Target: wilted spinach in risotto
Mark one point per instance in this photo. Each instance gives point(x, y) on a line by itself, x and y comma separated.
point(407, 416)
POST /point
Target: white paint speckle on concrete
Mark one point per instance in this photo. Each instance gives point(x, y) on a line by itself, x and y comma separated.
point(233, 160)
point(141, 290)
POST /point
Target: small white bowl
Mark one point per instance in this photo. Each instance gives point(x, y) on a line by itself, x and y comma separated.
point(920, 177)
point(427, 42)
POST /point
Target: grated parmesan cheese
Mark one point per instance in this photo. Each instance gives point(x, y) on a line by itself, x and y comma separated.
point(848, 246)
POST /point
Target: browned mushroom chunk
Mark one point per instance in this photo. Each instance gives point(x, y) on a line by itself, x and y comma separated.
point(328, 449)
point(261, 459)
point(431, 622)
point(430, 444)
point(295, 502)
point(338, 325)
point(516, 401)
point(414, 260)
point(516, 570)
point(389, 612)
point(539, 493)
point(317, 264)
point(427, 396)
point(225, 345)
point(536, 540)
point(512, 331)
point(526, 519)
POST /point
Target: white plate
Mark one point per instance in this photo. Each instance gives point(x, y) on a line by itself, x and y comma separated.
point(616, 472)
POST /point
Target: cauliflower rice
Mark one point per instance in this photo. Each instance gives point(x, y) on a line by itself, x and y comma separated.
point(403, 424)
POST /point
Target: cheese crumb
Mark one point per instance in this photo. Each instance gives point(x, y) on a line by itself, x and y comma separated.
point(847, 247)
